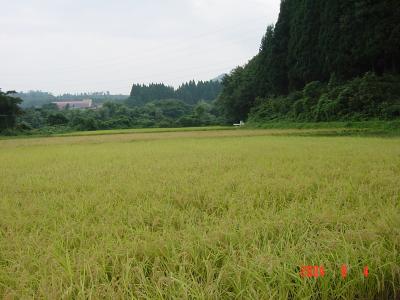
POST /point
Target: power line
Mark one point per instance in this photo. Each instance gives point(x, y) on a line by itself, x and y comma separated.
point(160, 59)
point(128, 63)
point(153, 50)
point(148, 78)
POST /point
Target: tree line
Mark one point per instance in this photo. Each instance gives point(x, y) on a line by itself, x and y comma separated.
point(315, 42)
point(40, 98)
point(154, 105)
point(116, 115)
point(190, 92)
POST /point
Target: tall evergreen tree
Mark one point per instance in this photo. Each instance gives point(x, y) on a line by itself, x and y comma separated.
point(9, 109)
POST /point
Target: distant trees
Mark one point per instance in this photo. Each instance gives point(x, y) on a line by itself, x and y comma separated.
point(315, 40)
point(35, 98)
point(142, 94)
point(154, 105)
point(190, 93)
point(161, 113)
point(9, 109)
point(39, 98)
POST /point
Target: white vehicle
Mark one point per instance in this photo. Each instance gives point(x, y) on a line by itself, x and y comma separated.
point(240, 124)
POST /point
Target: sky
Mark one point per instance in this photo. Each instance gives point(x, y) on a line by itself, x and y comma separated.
point(77, 46)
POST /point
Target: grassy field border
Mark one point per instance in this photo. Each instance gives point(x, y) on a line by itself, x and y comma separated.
point(360, 128)
point(116, 131)
point(357, 128)
point(145, 130)
point(373, 124)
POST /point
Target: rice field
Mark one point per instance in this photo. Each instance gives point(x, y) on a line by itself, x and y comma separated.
point(218, 214)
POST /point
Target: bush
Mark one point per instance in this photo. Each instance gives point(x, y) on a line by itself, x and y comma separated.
point(364, 98)
point(57, 119)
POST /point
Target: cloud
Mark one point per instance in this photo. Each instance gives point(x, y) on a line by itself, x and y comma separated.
point(89, 45)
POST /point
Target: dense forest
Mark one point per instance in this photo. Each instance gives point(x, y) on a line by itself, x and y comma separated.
point(314, 63)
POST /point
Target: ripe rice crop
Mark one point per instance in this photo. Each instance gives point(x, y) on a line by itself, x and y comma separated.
point(204, 215)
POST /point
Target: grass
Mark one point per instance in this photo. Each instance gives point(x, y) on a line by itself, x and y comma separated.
point(204, 215)
point(145, 130)
point(364, 128)
point(63, 131)
point(371, 126)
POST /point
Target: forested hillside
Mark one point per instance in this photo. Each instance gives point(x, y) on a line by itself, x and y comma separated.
point(318, 41)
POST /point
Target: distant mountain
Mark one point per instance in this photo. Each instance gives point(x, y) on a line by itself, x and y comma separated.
point(219, 78)
point(39, 98)
point(35, 98)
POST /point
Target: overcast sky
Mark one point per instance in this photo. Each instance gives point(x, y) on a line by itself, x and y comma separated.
point(106, 45)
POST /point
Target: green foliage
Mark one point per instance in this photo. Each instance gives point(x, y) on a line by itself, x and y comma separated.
point(193, 92)
point(9, 109)
point(155, 105)
point(142, 94)
point(162, 113)
point(363, 98)
point(190, 93)
point(238, 94)
point(57, 119)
